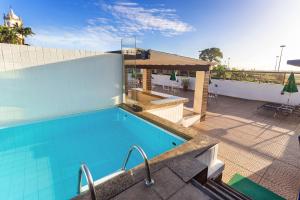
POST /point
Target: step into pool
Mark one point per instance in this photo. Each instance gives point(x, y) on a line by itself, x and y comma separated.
point(41, 160)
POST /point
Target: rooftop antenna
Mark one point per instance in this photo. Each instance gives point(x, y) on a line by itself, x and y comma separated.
point(282, 46)
point(276, 62)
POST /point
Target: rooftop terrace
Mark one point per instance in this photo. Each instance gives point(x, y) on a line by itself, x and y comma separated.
point(253, 143)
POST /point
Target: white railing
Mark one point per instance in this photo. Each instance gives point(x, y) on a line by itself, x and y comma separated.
point(269, 92)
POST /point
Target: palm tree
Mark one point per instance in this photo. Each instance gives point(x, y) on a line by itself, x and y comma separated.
point(23, 31)
point(14, 35)
point(8, 35)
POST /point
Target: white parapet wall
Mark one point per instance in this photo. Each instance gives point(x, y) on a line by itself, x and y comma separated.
point(58, 89)
point(254, 91)
point(241, 89)
point(13, 57)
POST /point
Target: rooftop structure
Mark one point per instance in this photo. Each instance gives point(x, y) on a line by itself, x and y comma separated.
point(11, 19)
point(294, 62)
point(168, 61)
point(149, 60)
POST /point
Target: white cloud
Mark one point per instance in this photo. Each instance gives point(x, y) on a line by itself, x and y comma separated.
point(124, 19)
point(90, 37)
point(135, 19)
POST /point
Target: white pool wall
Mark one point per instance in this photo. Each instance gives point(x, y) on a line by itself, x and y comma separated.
point(14, 57)
point(62, 88)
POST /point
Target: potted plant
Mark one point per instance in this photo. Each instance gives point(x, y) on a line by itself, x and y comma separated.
point(185, 83)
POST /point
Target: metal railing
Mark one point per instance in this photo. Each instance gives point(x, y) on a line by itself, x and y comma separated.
point(85, 170)
point(90, 182)
point(255, 76)
point(148, 181)
point(241, 75)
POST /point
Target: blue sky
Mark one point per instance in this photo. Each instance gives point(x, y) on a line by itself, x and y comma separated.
point(248, 31)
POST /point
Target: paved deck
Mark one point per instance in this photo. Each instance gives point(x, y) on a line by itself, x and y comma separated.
point(256, 145)
point(253, 143)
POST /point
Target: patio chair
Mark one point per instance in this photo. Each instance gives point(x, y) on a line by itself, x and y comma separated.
point(297, 111)
point(213, 96)
point(286, 109)
point(271, 107)
point(166, 87)
point(133, 84)
point(278, 108)
point(175, 87)
point(153, 86)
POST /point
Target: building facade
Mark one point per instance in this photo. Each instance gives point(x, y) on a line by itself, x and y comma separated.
point(11, 19)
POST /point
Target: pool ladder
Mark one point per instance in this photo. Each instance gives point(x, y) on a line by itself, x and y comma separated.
point(85, 170)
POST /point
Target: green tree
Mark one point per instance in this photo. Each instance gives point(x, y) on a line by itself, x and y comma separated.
point(8, 35)
point(218, 71)
point(23, 31)
point(211, 54)
point(14, 35)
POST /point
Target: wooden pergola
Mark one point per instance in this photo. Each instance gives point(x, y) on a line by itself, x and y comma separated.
point(167, 61)
point(294, 62)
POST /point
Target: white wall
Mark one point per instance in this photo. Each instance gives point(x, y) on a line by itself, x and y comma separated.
point(159, 79)
point(241, 89)
point(254, 91)
point(171, 113)
point(62, 88)
point(14, 57)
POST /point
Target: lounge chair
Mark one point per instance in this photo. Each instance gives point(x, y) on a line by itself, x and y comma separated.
point(278, 108)
point(166, 88)
point(297, 111)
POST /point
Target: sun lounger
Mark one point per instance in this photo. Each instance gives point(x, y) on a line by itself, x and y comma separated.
point(297, 111)
point(166, 88)
point(278, 108)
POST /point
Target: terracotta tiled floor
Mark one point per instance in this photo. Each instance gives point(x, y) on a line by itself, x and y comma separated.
point(253, 143)
point(256, 145)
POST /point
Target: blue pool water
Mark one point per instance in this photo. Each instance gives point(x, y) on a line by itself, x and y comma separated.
point(41, 160)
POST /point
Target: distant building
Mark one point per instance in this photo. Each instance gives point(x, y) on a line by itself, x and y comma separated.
point(11, 19)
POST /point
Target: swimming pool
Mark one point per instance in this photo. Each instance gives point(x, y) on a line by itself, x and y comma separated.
point(41, 160)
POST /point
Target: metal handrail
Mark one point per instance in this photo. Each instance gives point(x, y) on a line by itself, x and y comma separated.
point(85, 170)
point(148, 181)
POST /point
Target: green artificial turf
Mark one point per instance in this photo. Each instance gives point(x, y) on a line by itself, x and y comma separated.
point(251, 189)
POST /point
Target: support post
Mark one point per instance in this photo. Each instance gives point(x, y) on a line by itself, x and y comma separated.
point(147, 79)
point(125, 76)
point(201, 93)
